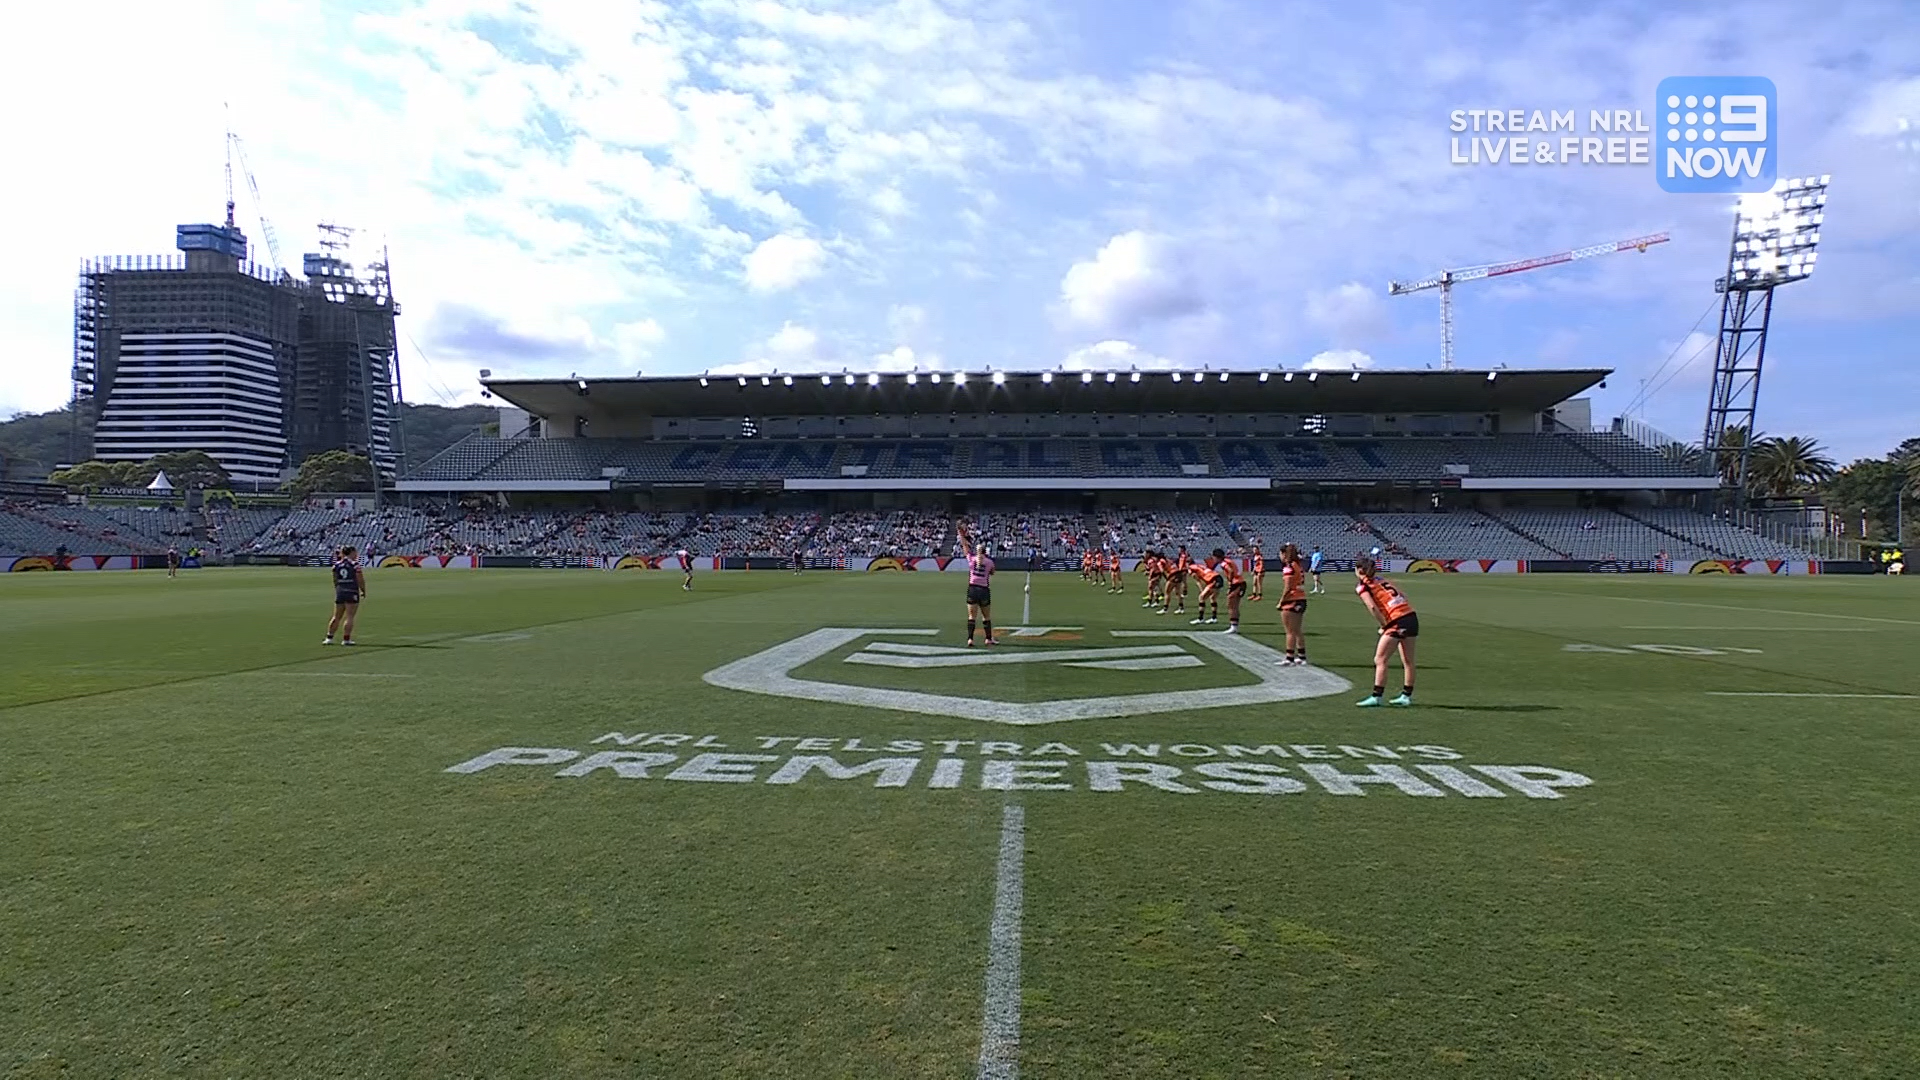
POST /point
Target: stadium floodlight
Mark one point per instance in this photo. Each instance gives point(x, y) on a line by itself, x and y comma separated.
point(1176, 376)
point(1491, 375)
point(1110, 377)
point(826, 380)
point(703, 380)
point(1046, 376)
point(1223, 376)
point(1288, 377)
point(1313, 376)
point(959, 378)
point(999, 378)
point(873, 378)
point(765, 381)
point(788, 380)
point(849, 378)
point(913, 378)
point(934, 378)
point(743, 380)
point(1774, 235)
point(1135, 377)
point(1356, 377)
point(1263, 376)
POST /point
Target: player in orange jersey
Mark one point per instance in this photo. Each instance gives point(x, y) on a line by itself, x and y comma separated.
point(1150, 566)
point(1116, 582)
point(1398, 627)
point(1293, 603)
point(1259, 572)
point(1208, 573)
point(1177, 582)
point(1227, 576)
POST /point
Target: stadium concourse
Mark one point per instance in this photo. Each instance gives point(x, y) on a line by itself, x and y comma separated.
point(844, 468)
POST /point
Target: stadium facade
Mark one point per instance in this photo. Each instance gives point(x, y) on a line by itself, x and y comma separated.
point(1275, 435)
point(204, 350)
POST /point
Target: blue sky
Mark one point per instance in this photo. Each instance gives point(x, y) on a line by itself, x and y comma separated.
point(670, 188)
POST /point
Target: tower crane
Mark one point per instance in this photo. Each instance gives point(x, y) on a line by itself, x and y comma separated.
point(1445, 280)
point(237, 149)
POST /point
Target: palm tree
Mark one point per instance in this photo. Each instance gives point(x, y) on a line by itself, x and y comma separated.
point(1685, 455)
point(1726, 455)
point(1787, 466)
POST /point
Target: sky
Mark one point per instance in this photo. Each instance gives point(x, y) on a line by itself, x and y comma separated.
point(669, 188)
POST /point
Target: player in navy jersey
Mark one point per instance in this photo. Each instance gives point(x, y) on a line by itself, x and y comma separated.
point(349, 588)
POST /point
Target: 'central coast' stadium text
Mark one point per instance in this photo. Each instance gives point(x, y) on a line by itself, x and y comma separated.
point(1425, 771)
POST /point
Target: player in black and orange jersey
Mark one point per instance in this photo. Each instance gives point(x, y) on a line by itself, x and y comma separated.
point(1209, 575)
point(1293, 603)
point(1227, 576)
point(349, 588)
point(1398, 627)
point(1150, 567)
point(1177, 582)
point(1259, 572)
point(1116, 580)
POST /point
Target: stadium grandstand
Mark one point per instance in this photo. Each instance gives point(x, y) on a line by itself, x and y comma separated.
point(846, 467)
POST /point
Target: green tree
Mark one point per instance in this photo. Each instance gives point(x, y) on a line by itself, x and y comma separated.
point(334, 470)
point(1870, 486)
point(1789, 466)
point(190, 468)
point(93, 475)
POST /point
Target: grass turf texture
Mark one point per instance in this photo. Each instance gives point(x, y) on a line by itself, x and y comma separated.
point(225, 850)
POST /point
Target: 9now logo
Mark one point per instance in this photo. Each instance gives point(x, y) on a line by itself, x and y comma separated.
point(1715, 133)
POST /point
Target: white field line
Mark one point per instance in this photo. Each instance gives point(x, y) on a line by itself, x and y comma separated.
point(329, 674)
point(1775, 693)
point(1770, 629)
point(885, 657)
point(1145, 663)
point(1000, 1007)
point(1729, 607)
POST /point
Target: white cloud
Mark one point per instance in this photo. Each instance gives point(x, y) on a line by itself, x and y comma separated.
point(905, 321)
point(1339, 360)
point(793, 343)
point(1115, 355)
point(636, 340)
point(904, 358)
point(781, 262)
point(1350, 314)
point(1134, 279)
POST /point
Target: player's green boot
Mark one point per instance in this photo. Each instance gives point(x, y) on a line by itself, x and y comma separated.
point(1403, 699)
point(1369, 701)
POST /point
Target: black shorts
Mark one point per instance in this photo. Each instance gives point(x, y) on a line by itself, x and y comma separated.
point(346, 596)
point(1238, 588)
point(1298, 606)
point(979, 595)
point(1406, 626)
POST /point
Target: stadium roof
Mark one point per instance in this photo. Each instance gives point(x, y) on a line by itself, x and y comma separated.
point(1156, 391)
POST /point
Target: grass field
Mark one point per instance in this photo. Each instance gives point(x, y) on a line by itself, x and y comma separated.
point(228, 852)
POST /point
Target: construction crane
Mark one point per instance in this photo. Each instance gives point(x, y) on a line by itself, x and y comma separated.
point(1445, 280)
point(237, 149)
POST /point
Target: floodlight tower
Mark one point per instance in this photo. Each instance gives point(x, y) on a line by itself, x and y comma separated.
point(1774, 237)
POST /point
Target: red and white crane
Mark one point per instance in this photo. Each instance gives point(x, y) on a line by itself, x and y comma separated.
point(1445, 280)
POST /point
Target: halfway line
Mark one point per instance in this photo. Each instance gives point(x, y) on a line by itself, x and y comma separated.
point(1777, 693)
point(1000, 1011)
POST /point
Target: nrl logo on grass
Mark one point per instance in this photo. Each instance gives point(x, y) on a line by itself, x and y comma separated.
point(770, 671)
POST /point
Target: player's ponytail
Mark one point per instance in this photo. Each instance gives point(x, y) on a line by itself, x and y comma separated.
point(1366, 566)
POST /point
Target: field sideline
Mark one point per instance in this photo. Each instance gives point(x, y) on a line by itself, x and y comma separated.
point(584, 824)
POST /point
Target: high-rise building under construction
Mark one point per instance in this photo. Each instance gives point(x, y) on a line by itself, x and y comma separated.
point(204, 350)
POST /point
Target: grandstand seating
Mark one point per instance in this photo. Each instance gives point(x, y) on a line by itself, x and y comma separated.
point(1513, 533)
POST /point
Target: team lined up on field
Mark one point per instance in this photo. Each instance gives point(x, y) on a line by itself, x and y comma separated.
point(1170, 577)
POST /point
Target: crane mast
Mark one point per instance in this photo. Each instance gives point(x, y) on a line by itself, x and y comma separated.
point(1445, 280)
